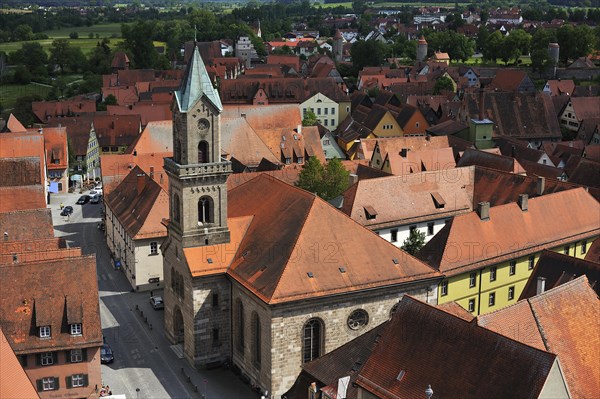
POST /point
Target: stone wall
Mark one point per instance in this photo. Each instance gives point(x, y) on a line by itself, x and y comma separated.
point(282, 353)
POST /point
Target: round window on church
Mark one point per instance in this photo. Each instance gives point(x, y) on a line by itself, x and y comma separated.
point(203, 124)
point(358, 319)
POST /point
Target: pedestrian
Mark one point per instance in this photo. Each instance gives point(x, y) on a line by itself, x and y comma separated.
point(61, 206)
point(151, 293)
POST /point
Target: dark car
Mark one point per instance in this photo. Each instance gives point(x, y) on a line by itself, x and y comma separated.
point(106, 354)
point(67, 210)
point(96, 199)
point(84, 199)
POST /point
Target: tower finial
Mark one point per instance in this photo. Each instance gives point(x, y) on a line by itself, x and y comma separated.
point(195, 31)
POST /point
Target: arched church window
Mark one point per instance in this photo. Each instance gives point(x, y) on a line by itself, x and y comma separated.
point(256, 338)
point(176, 208)
point(312, 344)
point(205, 210)
point(203, 152)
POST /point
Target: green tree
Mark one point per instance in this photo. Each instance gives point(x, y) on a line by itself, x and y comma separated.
point(32, 55)
point(327, 181)
point(100, 58)
point(540, 60)
point(138, 41)
point(335, 179)
point(414, 242)
point(493, 46)
point(520, 40)
point(310, 119)
point(22, 110)
point(22, 75)
point(443, 83)
point(367, 53)
point(311, 176)
point(60, 51)
point(22, 32)
point(74, 35)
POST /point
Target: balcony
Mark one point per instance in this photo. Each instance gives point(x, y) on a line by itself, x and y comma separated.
point(195, 170)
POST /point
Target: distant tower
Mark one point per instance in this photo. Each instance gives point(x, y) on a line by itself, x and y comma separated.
point(258, 31)
point(338, 46)
point(421, 49)
point(553, 53)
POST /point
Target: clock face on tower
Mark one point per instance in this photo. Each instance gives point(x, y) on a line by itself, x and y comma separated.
point(203, 124)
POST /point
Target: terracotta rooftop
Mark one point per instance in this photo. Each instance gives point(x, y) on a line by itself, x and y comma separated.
point(14, 383)
point(115, 167)
point(446, 128)
point(283, 245)
point(585, 107)
point(55, 142)
point(140, 204)
point(21, 171)
point(289, 175)
point(423, 345)
point(148, 112)
point(157, 137)
point(24, 144)
point(116, 130)
point(418, 192)
point(78, 131)
point(46, 110)
point(560, 321)
point(432, 159)
point(13, 125)
point(241, 142)
point(43, 294)
point(508, 79)
point(120, 60)
point(489, 160)
point(558, 269)
point(468, 243)
point(20, 198)
point(18, 225)
point(564, 87)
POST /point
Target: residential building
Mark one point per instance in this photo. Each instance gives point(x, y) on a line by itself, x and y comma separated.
point(432, 199)
point(512, 80)
point(244, 49)
point(232, 292)
point(559, 87)
point(487, 256)
point(57, 158)
point(325, 109)
point(577, 110)
point(50, 111)
point(134, 210)
point(407, 358)
point(21, 186)
point(558, 321)
point(490, 160)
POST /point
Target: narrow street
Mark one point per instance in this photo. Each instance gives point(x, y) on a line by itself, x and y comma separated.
point(145, 365)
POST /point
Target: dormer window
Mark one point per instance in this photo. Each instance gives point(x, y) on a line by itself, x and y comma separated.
point(76, 329)
point(370, 212)
point(45, 332)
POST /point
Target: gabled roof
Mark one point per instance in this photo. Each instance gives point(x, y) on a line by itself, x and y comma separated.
point(116, 130)
point(13, 125)
point(78, 131)
point(157, 137)
point(561, 87)
point(120, 60)
point(431, 159)
point(115, 167)
point(196, 84)
point(55, 143)
point(19, 198)
point(416, 191)
point(241, 142)
point(24, 145)
point(423, 345)
point(45, 110)
point(557, 269)
point(585, 107)
point(139, 204)
point(14, 383)
point(148, 112)
point(563, 321)
point(468, 243)
point(448, 127)
point(508, 79)
point(43, 293)
point(267, 260)
point(18, 225)
point(486, 159)
point(20, 172)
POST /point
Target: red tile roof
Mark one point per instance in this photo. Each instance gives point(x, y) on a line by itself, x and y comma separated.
point(303, 221)
point(423, 345)
point(468, 243)
point(46, 110)
point(563, 321)
point(14, 383)
point(21, 171)
point(147, 112)
point(55, 142)
point(24, 144)
point(115, 167)
point(13, 125)
point(20, 198)
point(42, 293)
point(117, 130)
point(157, 137)
point(18, 225)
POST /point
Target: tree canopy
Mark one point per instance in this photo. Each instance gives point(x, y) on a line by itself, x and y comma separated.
point(414, 242)
point(327, 181)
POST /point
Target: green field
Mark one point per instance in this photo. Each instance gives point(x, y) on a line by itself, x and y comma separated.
point(9, 93)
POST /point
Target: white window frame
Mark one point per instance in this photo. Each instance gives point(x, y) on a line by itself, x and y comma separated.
point(512, 268)
point(492, 299)
point(583, 247)
point(76, 329)
point(47, 359)
point(48, 384)
point(472, 280)
point(76, 355)
point(444, 288)
point(531, 262)
point(77, 381)
point(471, 305)
point(154, 251)
point(511, 293)
point(493, 271)
point(45, 332)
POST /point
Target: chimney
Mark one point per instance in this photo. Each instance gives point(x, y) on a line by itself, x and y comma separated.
point(352, 178)
point(523, 199)
point(483, 210)
point(299, 129)
point(151, 172)
point(41, 130)
point(541, 285)
point(141, 182)
point(428, 137)
point(313, 387)
point(541, 185)
point(403, 152)
point(5, 236)
point(481, 106)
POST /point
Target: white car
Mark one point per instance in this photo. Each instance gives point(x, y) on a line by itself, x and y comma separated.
point(96, 191)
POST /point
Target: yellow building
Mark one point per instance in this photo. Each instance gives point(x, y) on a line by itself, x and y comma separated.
point(488, 255)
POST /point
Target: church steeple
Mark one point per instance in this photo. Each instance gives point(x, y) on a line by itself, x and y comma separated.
point(197, 173)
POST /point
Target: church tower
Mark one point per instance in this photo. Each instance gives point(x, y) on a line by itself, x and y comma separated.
point(197, 173)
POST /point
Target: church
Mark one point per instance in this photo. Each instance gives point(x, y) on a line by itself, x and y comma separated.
point(266, 276)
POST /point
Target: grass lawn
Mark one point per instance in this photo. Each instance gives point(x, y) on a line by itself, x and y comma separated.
point(525, 61)
point(105, 30)
point(86, 45)
point(10, 93)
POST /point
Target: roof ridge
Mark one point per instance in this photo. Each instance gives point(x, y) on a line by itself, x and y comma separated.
point(538, 324)
point(306, 216)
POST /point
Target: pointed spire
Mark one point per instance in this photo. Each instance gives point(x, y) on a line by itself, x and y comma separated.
point(195, 84)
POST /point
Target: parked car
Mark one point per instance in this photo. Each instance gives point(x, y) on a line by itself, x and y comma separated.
point(67, 210)
point(96, 191)
point(106, 354)
point(96, 199)
point(99, 186)
point(157, 302)
point(84, 199)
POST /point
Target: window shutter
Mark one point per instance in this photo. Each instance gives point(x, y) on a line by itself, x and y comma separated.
point(85, 380)
point(69, 381)
point(56, 383)
point(84, 354)
point(38, 359)
point(40, 385)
